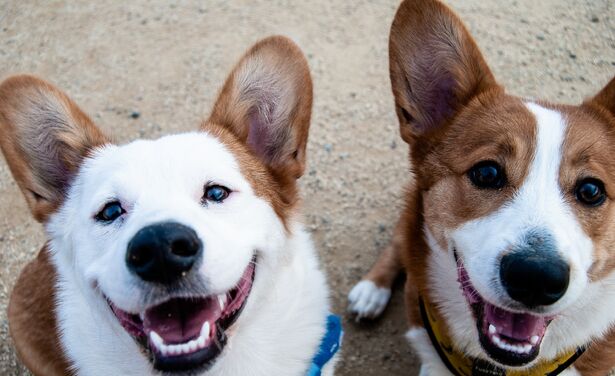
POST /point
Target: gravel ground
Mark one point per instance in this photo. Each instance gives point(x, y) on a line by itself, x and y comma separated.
point(166, 62)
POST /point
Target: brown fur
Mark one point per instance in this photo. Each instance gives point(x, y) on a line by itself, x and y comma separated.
point(453, 114)
point(32, 318)
point(599, 359)
point(45, 137)
point(274, 67)
point(42, 131)
point(589, 148)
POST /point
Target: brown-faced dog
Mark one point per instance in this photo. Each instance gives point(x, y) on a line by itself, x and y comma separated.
point(508, 230)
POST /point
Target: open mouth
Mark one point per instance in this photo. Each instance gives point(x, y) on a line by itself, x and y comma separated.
point(187, 333)
point(510, 338)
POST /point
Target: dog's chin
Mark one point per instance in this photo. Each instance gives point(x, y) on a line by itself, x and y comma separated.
point(510, 338)
point(186, 335)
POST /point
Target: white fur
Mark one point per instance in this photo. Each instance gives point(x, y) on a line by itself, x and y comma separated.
point(368, 300)
point(431, 364)
point(284, 319)
point(539, 203)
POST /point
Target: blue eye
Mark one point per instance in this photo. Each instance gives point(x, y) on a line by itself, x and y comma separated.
point(216, 193)
point(110, 212)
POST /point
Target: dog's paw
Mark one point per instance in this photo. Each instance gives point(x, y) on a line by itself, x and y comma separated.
point(366, 300)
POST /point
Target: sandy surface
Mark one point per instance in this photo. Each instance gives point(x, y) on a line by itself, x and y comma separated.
point(167, 62)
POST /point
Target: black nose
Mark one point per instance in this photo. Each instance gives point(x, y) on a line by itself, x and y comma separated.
point(534, 279)
point(163, 252)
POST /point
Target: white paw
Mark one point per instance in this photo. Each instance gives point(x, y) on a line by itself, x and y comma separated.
point(366, 300)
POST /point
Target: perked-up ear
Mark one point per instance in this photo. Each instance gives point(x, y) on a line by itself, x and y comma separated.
point(44, 137)
point(606, 97)
point(266, 102)
point(435, 67)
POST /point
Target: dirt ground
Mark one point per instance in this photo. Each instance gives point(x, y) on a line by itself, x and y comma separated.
point(166, 61)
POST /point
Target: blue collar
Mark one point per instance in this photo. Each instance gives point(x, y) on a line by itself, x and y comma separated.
point(329, 345)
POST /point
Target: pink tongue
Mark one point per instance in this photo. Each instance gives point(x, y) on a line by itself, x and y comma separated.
point(518, 326)
point(181, 320)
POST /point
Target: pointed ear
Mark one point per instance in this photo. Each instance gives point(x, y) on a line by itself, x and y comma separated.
point(606, 97)
point(44, 137)
point(435, 67)
point(266, 102)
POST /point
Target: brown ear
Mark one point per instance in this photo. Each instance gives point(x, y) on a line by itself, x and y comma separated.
point(44, 137)
point(266, 102)
point(435, 66)
point(606, 97)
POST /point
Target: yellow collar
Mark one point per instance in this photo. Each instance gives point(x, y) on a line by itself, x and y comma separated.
point(461, 365)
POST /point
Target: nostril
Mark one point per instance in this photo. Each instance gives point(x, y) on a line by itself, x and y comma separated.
point(184, 247)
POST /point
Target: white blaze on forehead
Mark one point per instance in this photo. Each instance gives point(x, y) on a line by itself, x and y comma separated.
point(539, 204)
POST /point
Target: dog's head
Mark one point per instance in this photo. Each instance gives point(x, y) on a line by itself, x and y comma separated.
point(172, 237)
point(516, 196)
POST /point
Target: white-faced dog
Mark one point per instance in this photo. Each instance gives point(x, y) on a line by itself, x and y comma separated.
point(182, 255)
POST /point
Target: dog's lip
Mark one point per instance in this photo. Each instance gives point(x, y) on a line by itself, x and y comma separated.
point(510, 337)
point(186, 333)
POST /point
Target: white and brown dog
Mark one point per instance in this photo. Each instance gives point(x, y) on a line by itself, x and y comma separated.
point(184, 254)
point(508, 232)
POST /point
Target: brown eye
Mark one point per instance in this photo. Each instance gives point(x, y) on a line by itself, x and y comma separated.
point(110, 212)
point(590, 192)
point(487, 175)
point(216, 193)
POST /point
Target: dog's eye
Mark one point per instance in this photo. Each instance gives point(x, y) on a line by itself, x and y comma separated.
point(487, 175)
point(590, 192)
point(110, 212)
point(216, 193)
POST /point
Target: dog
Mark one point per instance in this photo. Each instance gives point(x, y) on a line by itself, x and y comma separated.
point(508, 227)
point(181, 255)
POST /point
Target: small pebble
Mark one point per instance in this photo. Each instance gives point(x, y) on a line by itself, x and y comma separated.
point(135, 114)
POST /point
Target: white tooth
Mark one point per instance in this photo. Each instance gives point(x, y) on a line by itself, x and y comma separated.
point(534, 340)
point(492, 329)
point(222, 301)
point(164, 350)
point(205, 330)
point(192, 346)
point(185, 348)
point(156, 339)
point(527, 348)
point(171, 349)
point(200, 342)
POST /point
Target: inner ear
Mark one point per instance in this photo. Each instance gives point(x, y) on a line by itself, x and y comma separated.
point(266, 103)
point(44, 137)
point(435, 67)
point(606, 97)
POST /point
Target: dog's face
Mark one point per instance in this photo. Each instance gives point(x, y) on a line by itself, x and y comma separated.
point(516, 195)
point(175, 238)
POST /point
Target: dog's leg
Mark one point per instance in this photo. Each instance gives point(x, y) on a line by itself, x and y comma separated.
point(431, 364)
point(370, 296)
